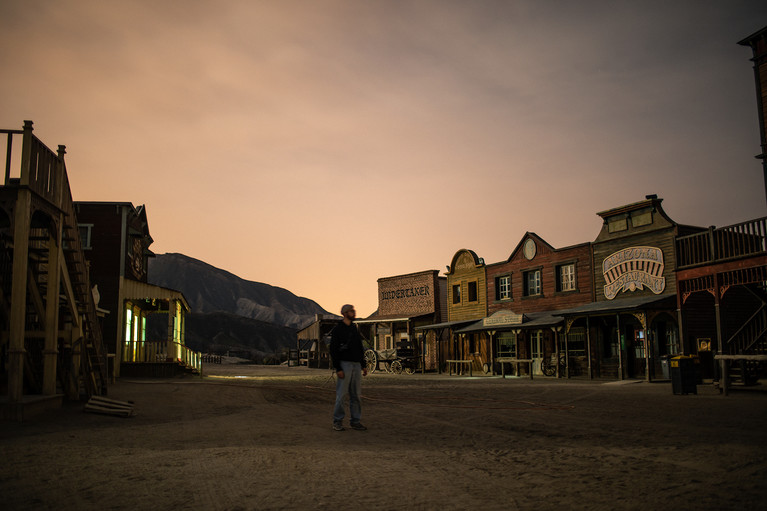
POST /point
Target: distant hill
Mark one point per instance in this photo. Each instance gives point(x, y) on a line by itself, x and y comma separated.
point(229, 313)
point(210, 289)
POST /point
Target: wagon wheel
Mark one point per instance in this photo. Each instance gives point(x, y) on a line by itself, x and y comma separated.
point(396, 367)
point(409, 369)
point(371, 361)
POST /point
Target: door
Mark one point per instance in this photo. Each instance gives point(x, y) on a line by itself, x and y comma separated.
point(536, 351)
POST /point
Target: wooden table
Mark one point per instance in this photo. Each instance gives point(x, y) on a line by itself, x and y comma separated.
point(516, 362)
point(455, 363)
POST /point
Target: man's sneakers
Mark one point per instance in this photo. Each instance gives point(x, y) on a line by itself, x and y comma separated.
point(337, 426)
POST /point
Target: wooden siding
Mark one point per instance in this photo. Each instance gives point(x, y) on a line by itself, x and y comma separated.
point(662, 239)
point(548, 260)
point(466, 268)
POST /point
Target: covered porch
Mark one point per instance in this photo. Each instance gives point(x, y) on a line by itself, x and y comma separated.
point(139, 355)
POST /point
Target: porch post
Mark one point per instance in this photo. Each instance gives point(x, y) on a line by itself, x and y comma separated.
point(588, 346)
point(567, 355)
point(620, 345)
point(19, 295)
point(556, 351)
point(170, 348)
point(50, 353)
point(723, 376)
point(647, 347)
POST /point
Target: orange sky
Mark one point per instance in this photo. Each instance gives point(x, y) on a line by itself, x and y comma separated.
point(319, 145)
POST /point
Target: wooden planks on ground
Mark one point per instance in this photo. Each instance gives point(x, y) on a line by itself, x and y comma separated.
point(106, 406)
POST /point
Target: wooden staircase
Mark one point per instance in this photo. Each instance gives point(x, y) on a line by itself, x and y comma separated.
point(747, 347)
point(61, 348)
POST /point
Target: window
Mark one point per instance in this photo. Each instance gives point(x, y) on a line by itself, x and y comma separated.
point(507, 344)
point(457, 293)
point(503, 287)
point(617, 225)
point(641, 218)
point(473, 291)
point(532, 282)
point(576, 342)
point(85, 235)
point(566, 277)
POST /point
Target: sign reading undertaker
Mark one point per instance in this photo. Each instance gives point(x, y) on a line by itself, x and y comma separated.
point(409, 295)
point(634, 268)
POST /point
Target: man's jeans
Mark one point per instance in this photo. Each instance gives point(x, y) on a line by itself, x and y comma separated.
point(350, 384)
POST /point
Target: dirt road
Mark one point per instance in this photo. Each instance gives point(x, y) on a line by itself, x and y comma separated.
point(260, 438)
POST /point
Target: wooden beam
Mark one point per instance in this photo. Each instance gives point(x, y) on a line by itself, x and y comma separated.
point(17, 323)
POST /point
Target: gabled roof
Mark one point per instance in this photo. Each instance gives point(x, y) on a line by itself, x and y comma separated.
point(527, 235)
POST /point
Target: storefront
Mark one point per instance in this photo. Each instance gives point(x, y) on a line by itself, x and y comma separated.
point(405, 304)
point(633, 321)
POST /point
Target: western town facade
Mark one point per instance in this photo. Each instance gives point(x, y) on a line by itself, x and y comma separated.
point(116, 243)
point(535, 282)
point(405, 304)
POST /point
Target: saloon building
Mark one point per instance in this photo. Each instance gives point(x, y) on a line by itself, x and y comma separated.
point(633, 320)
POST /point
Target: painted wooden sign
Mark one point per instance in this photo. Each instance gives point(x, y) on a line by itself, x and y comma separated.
point(634, 268)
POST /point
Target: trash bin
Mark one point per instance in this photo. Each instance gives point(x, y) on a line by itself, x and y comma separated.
point(664, 366)
point(683, 377)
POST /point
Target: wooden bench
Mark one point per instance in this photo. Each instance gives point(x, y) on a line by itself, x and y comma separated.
point(456, 363)
point(516, 362)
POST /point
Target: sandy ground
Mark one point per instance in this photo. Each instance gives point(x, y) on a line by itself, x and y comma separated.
point(263, 441)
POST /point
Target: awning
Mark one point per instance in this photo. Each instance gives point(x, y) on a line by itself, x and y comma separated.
point(381, 320)
point(136, 290)
point(624, 304)
point(447, 324)
point(529, 320)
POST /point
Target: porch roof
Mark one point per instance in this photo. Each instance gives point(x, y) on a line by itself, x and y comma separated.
point(623, 304)
point(390, 318)
point(135, 290)
point(446, 324)
point(532, 320)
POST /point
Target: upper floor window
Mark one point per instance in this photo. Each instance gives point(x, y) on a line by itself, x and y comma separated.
point(85, 235)
point(532, 282)
point(473, 291)
point(566, 277)
point(617, 224)
point(457, 293)
point(503, 287)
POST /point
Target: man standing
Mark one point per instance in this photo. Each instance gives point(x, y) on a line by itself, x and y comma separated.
point(348, 356)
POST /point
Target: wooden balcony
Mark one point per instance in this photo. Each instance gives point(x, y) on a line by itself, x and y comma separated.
point(723, 244)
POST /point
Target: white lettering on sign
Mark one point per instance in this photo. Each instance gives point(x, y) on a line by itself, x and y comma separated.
point(634, 268)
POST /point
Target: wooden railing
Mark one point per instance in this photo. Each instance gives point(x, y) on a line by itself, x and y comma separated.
point(156, 352)
point(749, 338)
point(722, 244)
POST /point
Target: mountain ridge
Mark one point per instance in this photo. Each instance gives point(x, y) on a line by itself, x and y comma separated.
point(210, 289)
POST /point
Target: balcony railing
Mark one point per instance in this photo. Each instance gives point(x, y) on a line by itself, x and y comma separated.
point(156, 352)
point(721, 244)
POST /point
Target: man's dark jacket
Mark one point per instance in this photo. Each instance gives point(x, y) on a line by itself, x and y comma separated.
point(346, 344)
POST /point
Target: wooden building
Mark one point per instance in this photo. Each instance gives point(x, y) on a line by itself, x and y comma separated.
point(758, 44)
point(407, 304)
point(632, 322)
point(50, 337)
point(116, 243)
point(466, 303)
point(722, 299)
point(313, 342)
point(535, 282)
